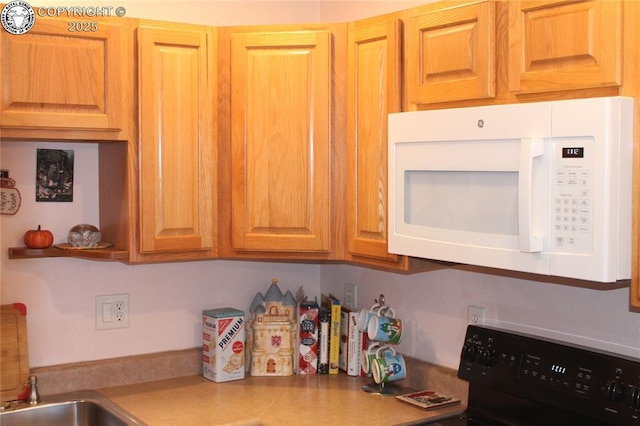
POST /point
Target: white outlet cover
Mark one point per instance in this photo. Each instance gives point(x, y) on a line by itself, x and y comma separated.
point(475, 315)
point(118, 317)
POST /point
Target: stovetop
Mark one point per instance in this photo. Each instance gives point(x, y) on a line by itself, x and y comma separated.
point(518, 379)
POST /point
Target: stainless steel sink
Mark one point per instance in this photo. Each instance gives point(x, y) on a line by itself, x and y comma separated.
point(85, 408)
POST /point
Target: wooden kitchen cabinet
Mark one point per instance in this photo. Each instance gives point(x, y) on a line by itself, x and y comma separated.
point(631, 87)
point(280, 124)
point(64, 84)
point(177, 185)
point(635, 249)
point(374, 90)
point(451, 53)
point(281, 176)
point(563, 45)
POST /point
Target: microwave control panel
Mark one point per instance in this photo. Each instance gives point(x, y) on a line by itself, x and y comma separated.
point(572, 196)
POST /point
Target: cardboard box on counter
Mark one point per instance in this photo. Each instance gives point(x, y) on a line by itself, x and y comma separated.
point(308, 317)
point(223, 336)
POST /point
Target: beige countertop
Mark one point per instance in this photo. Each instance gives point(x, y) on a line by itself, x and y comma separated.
point(292, 400)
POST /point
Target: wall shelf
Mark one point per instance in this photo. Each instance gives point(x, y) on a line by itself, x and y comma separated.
point(95, 254)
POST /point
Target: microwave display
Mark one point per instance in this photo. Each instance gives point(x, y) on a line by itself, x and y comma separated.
point(568, 152)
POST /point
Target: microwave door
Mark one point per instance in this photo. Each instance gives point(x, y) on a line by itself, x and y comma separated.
point(476, 204)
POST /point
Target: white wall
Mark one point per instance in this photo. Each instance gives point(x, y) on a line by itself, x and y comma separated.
point(351, 10)
point(433, 307)
point(166, 300)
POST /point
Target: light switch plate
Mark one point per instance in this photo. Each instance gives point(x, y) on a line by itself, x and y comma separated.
point(350, 295)
point(112, 311)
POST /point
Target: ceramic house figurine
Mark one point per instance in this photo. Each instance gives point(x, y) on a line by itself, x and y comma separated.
point(271, 332)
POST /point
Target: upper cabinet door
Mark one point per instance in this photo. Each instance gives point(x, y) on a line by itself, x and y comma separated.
point(561, 45)
point(374, 90)
point(451, 54)
point(177, 145)
point(280, 141)
point(56, 78)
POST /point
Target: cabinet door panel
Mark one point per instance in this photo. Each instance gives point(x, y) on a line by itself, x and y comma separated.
point(373, 92)
point(280, 107)
point(451, 54)
point(57, 79)
point(560, 45)
point(176, 145)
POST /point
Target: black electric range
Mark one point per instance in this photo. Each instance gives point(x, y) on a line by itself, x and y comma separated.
point(517, 379)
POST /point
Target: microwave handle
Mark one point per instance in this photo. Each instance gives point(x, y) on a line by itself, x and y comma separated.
point(529, 149)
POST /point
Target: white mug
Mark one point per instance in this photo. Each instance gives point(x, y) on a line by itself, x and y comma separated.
point(388, 366)
point(385, 329)
point(367, 356)
point(364, 316)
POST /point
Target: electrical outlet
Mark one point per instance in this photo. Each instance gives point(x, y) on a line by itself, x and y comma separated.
point(350, 300)
point(112, 311)
point(475, 315)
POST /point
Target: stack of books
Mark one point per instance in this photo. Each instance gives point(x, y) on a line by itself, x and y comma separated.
point(352, 342)
point(329, 338)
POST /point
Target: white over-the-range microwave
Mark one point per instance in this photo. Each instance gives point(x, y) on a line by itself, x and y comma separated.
point(542, 187)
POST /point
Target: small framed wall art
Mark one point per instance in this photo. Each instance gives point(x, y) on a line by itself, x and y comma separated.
point(54, 175)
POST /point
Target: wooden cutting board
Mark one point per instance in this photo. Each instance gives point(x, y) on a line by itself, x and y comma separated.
point(14, 360)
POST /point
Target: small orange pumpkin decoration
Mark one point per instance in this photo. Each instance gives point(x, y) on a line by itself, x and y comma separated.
point(38, 238)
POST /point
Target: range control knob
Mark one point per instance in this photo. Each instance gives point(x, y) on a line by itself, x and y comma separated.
point(615, 391)
point(487, 357)
point(635, 398)
point(469, 352)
